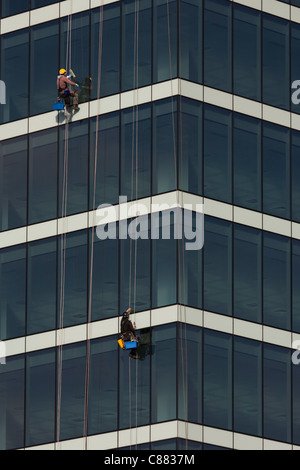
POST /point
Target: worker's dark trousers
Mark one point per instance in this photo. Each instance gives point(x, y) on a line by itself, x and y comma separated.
point(67, 98)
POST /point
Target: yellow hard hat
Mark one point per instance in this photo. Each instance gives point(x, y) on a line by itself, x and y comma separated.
point(62, 71)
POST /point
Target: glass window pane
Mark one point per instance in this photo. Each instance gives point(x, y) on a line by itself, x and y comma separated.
point(136, 152)
point(15, 61)
point(163, 374)
point(190, 146)
point(295, 66)
point(109, 37)
point(43, 91)
point(168, 444)
point(296, 403)
point(247, 273)
point(12, 8)
point(105, 281)
point(218, 44)
point(217, 376)
point(190, 373)
point(105, 170)
point(136, 43)
point(41, 286)
point(277, 283)
point(42, 176)
point(135, 265)
point(190, 260)
point(12, 292)
point(247, 52)
point(164, 146)
point(74, 50)
point(217, 153)
point(164, 40)
point(72, 279)
point(247, 386)
point(247, 162)
point(217, 254)
point(191, 40)
point(277, 393)
point(13, 183)
point(134, 382)
point(40, 397)
point(276, 63)
point(276, 170)
point(164, 262)
point(295, 176)
point(41, 3)
point(73, 171)
point(72, 378)
point(12, 395)
point(103, 387)
point(295, 286)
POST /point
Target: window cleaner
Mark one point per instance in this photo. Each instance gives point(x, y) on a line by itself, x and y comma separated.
point(65, 92)
point(128, 338)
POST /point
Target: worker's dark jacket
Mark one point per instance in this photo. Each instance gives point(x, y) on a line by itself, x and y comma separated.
point(127, 328)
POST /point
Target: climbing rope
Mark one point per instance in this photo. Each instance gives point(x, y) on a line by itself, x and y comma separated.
point(89, 319)
point(63, 240)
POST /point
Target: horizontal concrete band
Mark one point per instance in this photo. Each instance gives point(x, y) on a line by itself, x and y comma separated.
point(209, 207)
point(152, 93)
point(152, 318)
point(67, 7)
point(168, 430)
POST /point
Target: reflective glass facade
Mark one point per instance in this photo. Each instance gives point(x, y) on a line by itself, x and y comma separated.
point(181, 102)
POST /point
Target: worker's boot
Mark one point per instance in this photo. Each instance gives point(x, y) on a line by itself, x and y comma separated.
point(75, 102)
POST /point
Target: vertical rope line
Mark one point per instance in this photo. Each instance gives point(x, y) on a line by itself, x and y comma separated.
point(178, 206)
point(87, 373)
point(63, 249)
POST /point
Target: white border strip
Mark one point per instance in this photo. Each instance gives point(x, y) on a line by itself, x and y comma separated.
point(210, 207)
point(151, 93)
point(169, 430)
point(64, 8)
point(153, 318)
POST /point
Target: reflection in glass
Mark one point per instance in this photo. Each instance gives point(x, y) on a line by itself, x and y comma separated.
point(247, 162)
point(247, 273)
point(163, 374)
point(217, 376)
point(247, 52)
point(164, 40)
point(42, 176)
point(15, 64)
point(276, 283)
point(247, 386)
point(41, 286)
point(218, 44)
point(217, 254)
point(217, 153)
point(12, 396)
point(277, 393)
point(12, 292)
point(276, 58)
point(13, 183)
point(276, 170)
point(136, 43)
point(103, 386)
point(40, 397)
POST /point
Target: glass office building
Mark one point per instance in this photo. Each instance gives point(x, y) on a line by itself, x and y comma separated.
point(190, 102)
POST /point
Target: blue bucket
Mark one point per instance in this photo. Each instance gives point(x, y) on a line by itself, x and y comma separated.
point(131, 345)
point(58, 107)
